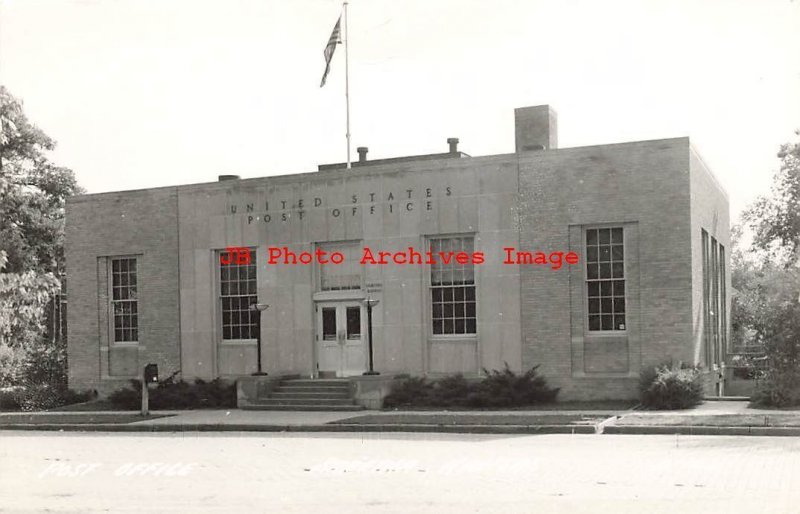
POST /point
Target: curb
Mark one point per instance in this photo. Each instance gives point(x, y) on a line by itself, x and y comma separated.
point(337, 427)
point(700, 430)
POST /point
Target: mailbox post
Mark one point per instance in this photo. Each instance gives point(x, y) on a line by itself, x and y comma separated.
point(150, 376)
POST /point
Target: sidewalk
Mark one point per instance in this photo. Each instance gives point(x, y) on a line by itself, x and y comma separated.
point(712, 418)
point(512, 421)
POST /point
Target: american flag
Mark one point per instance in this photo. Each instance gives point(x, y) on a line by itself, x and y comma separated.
point(329, 48)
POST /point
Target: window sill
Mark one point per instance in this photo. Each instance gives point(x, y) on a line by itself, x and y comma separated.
point(124, 344)
point(239, 342)
point(469, 338)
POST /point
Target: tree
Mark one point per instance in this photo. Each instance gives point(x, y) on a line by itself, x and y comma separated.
point(23, 299)
point(33, 192)
point(775, 219)
point(745, 302)
point(766, 308)
point(778, 328)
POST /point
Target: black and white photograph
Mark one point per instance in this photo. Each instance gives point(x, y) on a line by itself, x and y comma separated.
point(434, 256)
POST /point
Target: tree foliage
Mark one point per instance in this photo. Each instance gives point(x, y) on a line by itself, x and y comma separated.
point(775, 218)
point(777, 327)
point(23, 297)
point(766, 277)
point(33, 192)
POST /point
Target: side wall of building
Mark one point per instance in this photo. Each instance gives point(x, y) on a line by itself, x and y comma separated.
point(642, 187)
point(139, 224)
point(710, 212)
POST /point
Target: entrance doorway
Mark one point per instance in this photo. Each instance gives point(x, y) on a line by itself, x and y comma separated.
point(341, 348)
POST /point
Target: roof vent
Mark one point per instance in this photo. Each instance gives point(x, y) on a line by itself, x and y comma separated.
point(453, 142)
point(223, 178)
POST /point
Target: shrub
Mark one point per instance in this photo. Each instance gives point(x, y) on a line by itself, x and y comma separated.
point(129, 398)
point(505, 388)
point(172, 394)
point(671, 386)
point(412, 391)
point(8, 398)
point(45, 362)
point(33, 397)
point(781, 384)
point(11, 365)
point(497, 389)
point(451, 391)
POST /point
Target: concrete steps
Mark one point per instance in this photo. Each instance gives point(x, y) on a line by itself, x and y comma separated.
point(326, 408)
point(284, 395)
point(308, 395)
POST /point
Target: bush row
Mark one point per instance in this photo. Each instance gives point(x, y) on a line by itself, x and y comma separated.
point(178, 394)
point(502, 388)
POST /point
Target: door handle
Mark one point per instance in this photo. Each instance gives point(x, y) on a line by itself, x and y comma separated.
point(340, 336)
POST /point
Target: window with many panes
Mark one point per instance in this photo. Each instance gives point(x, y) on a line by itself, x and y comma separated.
point(453, 289)
point(124, 300)
point(605, 278)
point(238, 291)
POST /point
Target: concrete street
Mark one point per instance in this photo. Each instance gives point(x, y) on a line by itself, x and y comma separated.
point(396, 472)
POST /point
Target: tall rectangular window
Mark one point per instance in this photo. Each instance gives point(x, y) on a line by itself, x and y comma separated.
point(715, 299)
point(343, 276)
point(723, 311)
point(605, 278)
point(453, 305)
point(124, 299)
point(238, 291)
point(715, 315)
point(707, 309)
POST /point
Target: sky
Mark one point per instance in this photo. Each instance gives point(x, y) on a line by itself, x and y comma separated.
point(142, 93)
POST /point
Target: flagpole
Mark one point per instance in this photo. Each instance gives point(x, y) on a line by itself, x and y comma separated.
point(347, 81)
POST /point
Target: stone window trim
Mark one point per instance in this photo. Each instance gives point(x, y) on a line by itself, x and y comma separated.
point(123, 300)
point(605, 279)
point(452, 292)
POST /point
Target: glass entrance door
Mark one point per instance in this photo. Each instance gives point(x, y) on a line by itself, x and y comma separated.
point(341, 348)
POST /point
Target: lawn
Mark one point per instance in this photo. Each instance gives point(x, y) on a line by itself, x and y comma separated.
point(613, 406)
point(719, 420)
point(474, 419)
point(92, 406)
point(72, 419)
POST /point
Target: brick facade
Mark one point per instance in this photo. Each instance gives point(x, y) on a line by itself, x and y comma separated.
point(540, 198)
point(136, 223)
point(643, 187)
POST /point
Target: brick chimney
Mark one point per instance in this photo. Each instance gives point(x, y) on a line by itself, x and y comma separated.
point(535, 128)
